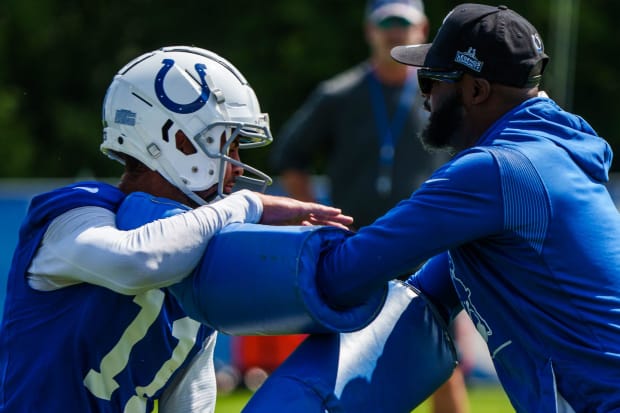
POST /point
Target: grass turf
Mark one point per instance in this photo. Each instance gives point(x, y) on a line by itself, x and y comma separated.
point(482, 399)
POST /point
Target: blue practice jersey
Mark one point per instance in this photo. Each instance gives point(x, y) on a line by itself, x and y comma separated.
point(533, 252)
point(85, 348)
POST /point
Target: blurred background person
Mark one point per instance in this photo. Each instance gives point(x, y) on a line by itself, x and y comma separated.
point(360, 128)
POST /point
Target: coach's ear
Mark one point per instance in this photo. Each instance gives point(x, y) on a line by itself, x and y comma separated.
point(474, 90)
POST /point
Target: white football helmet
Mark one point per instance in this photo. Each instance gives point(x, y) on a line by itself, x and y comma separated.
point(190, 90)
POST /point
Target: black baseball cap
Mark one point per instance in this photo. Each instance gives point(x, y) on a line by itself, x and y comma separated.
point(492, 42)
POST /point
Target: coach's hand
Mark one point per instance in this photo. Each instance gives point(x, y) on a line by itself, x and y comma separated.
point(278, 210)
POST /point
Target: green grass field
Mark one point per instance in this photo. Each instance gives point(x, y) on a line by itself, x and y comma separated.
point(482, 399)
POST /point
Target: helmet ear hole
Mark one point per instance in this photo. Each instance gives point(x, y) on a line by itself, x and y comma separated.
point(183, 143)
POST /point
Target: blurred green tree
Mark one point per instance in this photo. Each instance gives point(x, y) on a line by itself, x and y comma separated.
point(58, 57)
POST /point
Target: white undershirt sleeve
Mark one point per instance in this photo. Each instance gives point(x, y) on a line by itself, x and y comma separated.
point(84, 245)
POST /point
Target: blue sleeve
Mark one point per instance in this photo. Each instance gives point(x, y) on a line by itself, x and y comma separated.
point(434, 281)
point(461, 202)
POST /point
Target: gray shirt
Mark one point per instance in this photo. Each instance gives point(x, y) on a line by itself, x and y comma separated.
point(335, 132)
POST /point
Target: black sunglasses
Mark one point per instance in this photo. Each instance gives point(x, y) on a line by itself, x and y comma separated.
point(426, 78)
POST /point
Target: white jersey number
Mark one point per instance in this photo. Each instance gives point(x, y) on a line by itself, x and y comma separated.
point(101, 383)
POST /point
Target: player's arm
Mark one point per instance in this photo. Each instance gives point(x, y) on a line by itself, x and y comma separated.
point(279, 210)
point(84, 245)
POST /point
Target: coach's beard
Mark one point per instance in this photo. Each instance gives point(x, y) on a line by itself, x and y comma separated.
point(441, 131)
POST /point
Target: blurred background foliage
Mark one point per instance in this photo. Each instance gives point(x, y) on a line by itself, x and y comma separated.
point(58, 57)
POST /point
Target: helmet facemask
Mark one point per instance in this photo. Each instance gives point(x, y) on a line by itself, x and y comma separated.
point(219, 149)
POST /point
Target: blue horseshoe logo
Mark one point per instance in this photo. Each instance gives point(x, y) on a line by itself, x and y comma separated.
point(178, 107)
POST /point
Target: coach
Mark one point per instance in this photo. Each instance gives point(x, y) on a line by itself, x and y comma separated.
point(519, 227)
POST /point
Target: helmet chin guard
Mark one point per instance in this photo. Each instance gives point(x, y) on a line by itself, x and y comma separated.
point(176, 93)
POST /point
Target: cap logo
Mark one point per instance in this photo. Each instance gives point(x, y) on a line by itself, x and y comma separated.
point(538, 44)
point(469, 59)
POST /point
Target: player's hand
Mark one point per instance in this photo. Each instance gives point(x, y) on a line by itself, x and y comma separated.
point(279, 210)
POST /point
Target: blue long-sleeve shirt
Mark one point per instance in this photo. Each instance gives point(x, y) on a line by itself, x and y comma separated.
point(533, 252)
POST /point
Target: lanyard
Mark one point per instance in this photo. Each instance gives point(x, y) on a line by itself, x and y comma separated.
point(389, 132)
